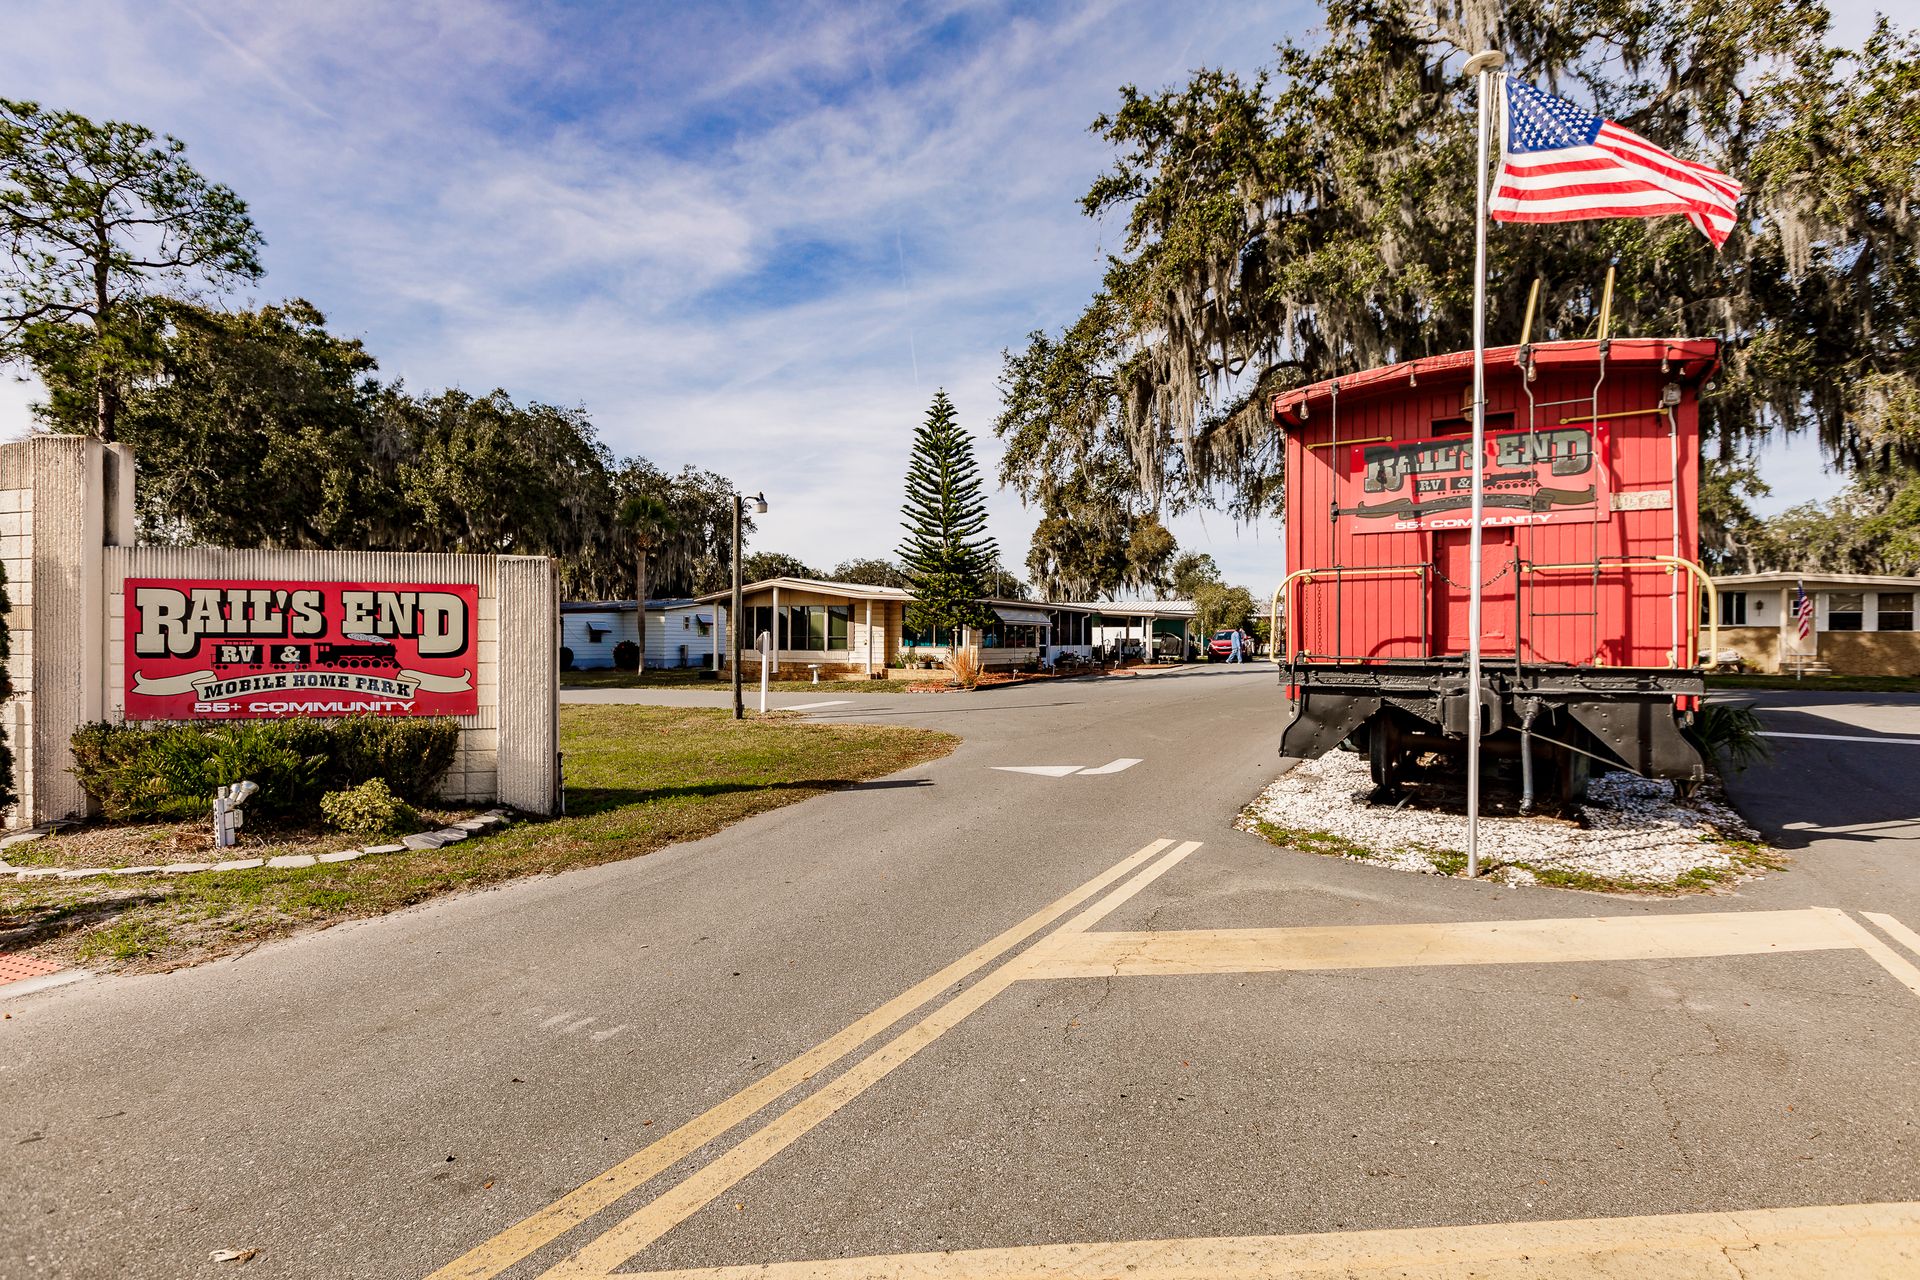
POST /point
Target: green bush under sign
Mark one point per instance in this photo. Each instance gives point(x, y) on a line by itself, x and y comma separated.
point(171, 771)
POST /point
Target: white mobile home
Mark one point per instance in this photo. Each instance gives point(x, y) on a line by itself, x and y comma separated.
point(680, 633)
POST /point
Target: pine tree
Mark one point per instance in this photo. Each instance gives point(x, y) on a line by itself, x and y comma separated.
point(947, 557)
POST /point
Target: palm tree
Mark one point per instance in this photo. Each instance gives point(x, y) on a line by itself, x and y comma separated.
point(651, 522)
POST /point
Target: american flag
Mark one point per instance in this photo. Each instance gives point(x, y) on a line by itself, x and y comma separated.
point(1803, 609)
point(1559, 163)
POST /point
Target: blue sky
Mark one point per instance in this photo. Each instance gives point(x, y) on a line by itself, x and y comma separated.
point(753, 237)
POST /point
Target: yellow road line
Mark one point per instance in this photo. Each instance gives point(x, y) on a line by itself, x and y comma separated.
point(1895, 930)
point(1099, 955)
point(549, 1224)
point(1862, 1242)
point(602, 1256)
point(1885, 956)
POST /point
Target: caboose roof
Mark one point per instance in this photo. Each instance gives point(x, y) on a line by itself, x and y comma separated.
point(1689, 359)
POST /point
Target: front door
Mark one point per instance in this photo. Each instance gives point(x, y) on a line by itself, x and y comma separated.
point(1452, 552)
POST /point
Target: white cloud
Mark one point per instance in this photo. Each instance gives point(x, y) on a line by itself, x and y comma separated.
point(748, 237)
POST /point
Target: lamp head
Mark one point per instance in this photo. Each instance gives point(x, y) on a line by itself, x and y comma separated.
point(760, 504)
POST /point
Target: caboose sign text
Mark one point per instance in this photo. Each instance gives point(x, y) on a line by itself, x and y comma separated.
point(1532, 477)
point(199, 649)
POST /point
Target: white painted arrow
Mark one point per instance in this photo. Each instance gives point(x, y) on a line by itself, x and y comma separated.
point(1064, 770)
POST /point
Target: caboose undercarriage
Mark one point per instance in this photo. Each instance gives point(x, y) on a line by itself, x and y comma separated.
point(1560, 724)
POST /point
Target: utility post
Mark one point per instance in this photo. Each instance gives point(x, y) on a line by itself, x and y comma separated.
point(733, 617)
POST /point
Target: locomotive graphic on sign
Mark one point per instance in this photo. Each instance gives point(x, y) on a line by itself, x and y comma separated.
point(198, 649)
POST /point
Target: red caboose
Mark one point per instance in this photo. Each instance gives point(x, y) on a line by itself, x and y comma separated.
point(1591, 597)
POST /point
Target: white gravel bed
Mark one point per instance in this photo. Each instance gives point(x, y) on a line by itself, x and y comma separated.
point(1633, 830)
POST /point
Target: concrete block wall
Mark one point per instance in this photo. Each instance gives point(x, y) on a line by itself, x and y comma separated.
point(16, 556)
point(67, 498)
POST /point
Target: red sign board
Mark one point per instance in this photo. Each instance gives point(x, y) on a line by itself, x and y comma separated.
point(221, 650)
point(1545, 476)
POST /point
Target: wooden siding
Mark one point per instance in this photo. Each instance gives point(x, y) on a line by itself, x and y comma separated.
point(1392, 597)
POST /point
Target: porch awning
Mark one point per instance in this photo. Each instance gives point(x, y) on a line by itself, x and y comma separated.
point(1025, 617)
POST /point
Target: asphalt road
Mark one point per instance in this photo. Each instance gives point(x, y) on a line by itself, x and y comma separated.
point(970, 1009)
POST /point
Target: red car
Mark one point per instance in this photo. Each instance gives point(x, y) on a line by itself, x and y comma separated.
point(1221, 646)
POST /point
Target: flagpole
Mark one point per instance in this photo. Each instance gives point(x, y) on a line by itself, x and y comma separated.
point(1486, 65)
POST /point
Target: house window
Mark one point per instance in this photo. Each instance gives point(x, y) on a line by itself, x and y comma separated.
point(1896, 611)
point(1846, 611)
point(759, 620)
point(814, 627)
point(1018, 635)
point(914, 637)
point(1733, 609)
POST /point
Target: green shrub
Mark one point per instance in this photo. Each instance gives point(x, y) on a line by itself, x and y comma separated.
point(1730, 735)
point(171, 771)
point(369, 809)
point(626, 656)
point(411, 754)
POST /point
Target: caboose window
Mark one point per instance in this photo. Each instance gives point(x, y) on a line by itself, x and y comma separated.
point(1896, 611)
point(1846, 611)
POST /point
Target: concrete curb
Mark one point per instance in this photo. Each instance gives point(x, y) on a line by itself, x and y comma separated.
point(491, 820)
point(27, 986)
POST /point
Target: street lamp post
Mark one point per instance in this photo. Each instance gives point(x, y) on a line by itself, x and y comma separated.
point(740, 501)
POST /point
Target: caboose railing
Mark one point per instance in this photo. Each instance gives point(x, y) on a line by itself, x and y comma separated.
point(1285, 625)
point(1340, 573)
point(1670, 564)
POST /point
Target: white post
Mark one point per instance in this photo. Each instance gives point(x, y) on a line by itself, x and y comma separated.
point(1486, 65)
point(774, 648)
point(869, 637)
point(766, 645)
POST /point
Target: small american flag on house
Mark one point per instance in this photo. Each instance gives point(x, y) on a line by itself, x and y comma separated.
point(1803, 610)
point(1559, 163)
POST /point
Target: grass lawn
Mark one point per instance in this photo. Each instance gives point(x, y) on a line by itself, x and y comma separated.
point(604, 678)
point(1818, 684)
point(638, 779)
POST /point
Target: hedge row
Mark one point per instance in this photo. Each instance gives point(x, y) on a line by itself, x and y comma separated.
point(172, 771)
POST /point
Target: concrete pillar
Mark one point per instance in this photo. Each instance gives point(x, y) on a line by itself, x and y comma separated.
point(529, 735)
point(63, 499)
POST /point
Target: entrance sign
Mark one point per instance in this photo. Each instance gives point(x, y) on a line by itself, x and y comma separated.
point(223, 649)
point(1530, 477)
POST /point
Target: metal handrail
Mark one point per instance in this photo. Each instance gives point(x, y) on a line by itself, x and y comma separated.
point(1669, 563)
point(1307, 575)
